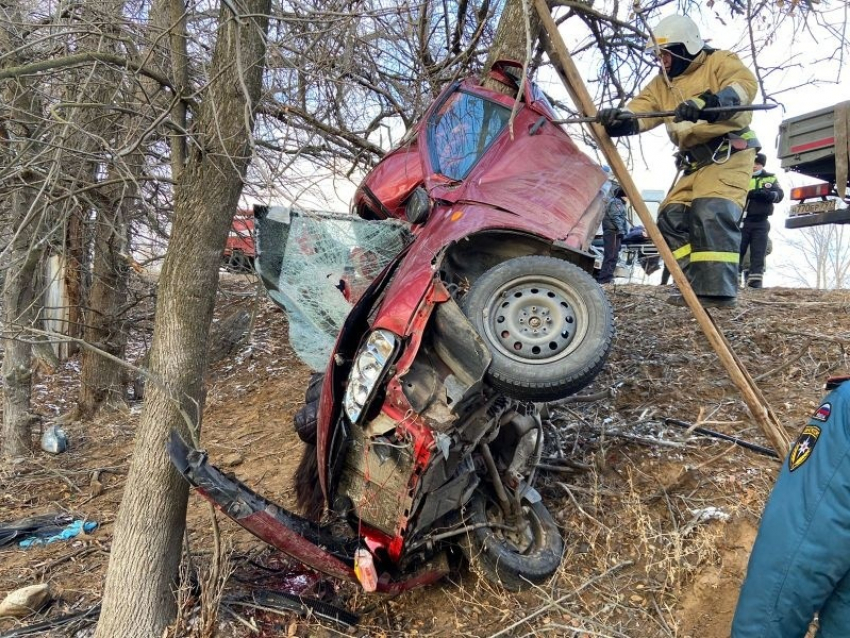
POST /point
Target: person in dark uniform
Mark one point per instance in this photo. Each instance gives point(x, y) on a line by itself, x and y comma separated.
point(800, 563)
point(764, 192)
point(614, 228)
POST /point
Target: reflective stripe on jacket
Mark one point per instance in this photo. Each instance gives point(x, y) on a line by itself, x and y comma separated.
point(761, 208)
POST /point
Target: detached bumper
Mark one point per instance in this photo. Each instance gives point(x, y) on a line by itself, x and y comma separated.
point(295, 536)
point(302, 539)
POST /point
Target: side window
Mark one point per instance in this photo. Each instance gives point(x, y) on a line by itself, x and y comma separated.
point(461, 131)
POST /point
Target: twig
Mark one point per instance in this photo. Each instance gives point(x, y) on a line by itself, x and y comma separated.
point(815, 335)
point(556, 468)
point(581, 509)
point(251, 627)
point(565, 630)
point(565, 597)
point(59, 474)
point(786, 363)
point(570, 463)
point(83, 551)
point(647, 441)
point(607, 393)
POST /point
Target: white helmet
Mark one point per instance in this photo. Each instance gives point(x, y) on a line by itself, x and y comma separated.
point(676, 29)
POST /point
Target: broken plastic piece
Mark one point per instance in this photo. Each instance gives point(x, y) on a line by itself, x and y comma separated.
point(364, 568)
point(54, 440)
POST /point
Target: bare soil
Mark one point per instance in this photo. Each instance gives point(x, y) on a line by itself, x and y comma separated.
point(658, 524)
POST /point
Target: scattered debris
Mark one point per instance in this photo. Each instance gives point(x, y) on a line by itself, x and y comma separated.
point(41, 530)
point(54, 440)
point(71, 623)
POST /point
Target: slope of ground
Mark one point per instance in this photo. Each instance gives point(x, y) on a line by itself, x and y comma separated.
point(658, 522)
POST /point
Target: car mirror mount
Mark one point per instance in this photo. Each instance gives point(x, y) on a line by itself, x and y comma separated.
point(418, 206)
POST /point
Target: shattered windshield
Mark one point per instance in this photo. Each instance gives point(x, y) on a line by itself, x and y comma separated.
point(461, 130)
point(316, 265)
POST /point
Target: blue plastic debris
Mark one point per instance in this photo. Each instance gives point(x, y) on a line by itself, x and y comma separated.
point(73, 529)
point(54, 440)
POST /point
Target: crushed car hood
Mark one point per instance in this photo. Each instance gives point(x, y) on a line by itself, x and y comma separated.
point(544, 176)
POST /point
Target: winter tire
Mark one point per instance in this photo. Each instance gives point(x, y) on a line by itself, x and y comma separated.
point(546, 322)
point(516, 560)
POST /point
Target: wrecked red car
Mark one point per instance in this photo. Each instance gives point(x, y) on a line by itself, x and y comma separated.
point(455, 304)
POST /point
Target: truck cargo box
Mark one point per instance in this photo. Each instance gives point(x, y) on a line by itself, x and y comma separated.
point(816, 144)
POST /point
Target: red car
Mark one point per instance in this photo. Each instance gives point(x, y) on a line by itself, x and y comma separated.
point(239, 251)
point(425, 429)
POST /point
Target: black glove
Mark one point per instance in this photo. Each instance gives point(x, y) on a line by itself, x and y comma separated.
point(618, 122)
point(761, 195)
point(691, 109)
point(612, 116)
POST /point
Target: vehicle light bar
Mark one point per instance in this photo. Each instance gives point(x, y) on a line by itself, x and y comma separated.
point(815, 190)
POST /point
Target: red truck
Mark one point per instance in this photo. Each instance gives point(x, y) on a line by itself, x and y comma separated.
point(239, 251)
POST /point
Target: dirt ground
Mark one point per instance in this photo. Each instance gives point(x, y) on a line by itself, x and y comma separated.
point(657, 522)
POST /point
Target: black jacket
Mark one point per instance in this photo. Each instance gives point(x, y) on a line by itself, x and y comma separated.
point(764, 192)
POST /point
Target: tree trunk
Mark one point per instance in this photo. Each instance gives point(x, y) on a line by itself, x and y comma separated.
point(138, 595)
point(511, 39)
point(20, 265)
point(101, 378)
point(20, 260)
point(75, 251)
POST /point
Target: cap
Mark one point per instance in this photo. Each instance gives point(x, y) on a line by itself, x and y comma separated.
point(761, 159)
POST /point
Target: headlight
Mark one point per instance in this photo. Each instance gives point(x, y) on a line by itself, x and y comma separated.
point(369, 366)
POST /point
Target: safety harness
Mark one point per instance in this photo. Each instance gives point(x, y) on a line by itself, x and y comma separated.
point(717, 150)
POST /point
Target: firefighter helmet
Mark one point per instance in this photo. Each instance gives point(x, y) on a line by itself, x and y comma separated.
point(676, 29)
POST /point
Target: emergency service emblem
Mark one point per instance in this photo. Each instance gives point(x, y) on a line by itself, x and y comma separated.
point(803, 447)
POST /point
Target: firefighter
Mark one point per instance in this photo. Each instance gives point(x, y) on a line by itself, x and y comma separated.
point(800, 563)
point(764, 192)
point(699, 217)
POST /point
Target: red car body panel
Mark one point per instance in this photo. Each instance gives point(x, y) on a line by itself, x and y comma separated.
point(536, 170)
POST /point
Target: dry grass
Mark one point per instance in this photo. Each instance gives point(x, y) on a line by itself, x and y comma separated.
point(646, 555)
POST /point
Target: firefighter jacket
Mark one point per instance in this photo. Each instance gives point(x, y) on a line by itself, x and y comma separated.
point(764, 192)
point(720, 72)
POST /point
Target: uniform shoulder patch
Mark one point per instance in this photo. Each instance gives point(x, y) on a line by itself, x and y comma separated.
point(804, 446)
point(823, 412)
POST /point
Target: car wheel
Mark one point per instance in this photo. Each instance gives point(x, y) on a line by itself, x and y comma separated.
point(517, 558)
point(546, 322)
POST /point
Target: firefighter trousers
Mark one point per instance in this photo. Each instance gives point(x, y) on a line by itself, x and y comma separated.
point(699, 220)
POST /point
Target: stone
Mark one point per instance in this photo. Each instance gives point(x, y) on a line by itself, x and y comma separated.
point(25, 601)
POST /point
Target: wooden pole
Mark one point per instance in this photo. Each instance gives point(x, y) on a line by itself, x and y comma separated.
point(753, 397)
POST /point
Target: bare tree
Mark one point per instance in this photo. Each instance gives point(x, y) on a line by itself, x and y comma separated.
point(20, 255)
point(139, 592)
point(821, 257)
